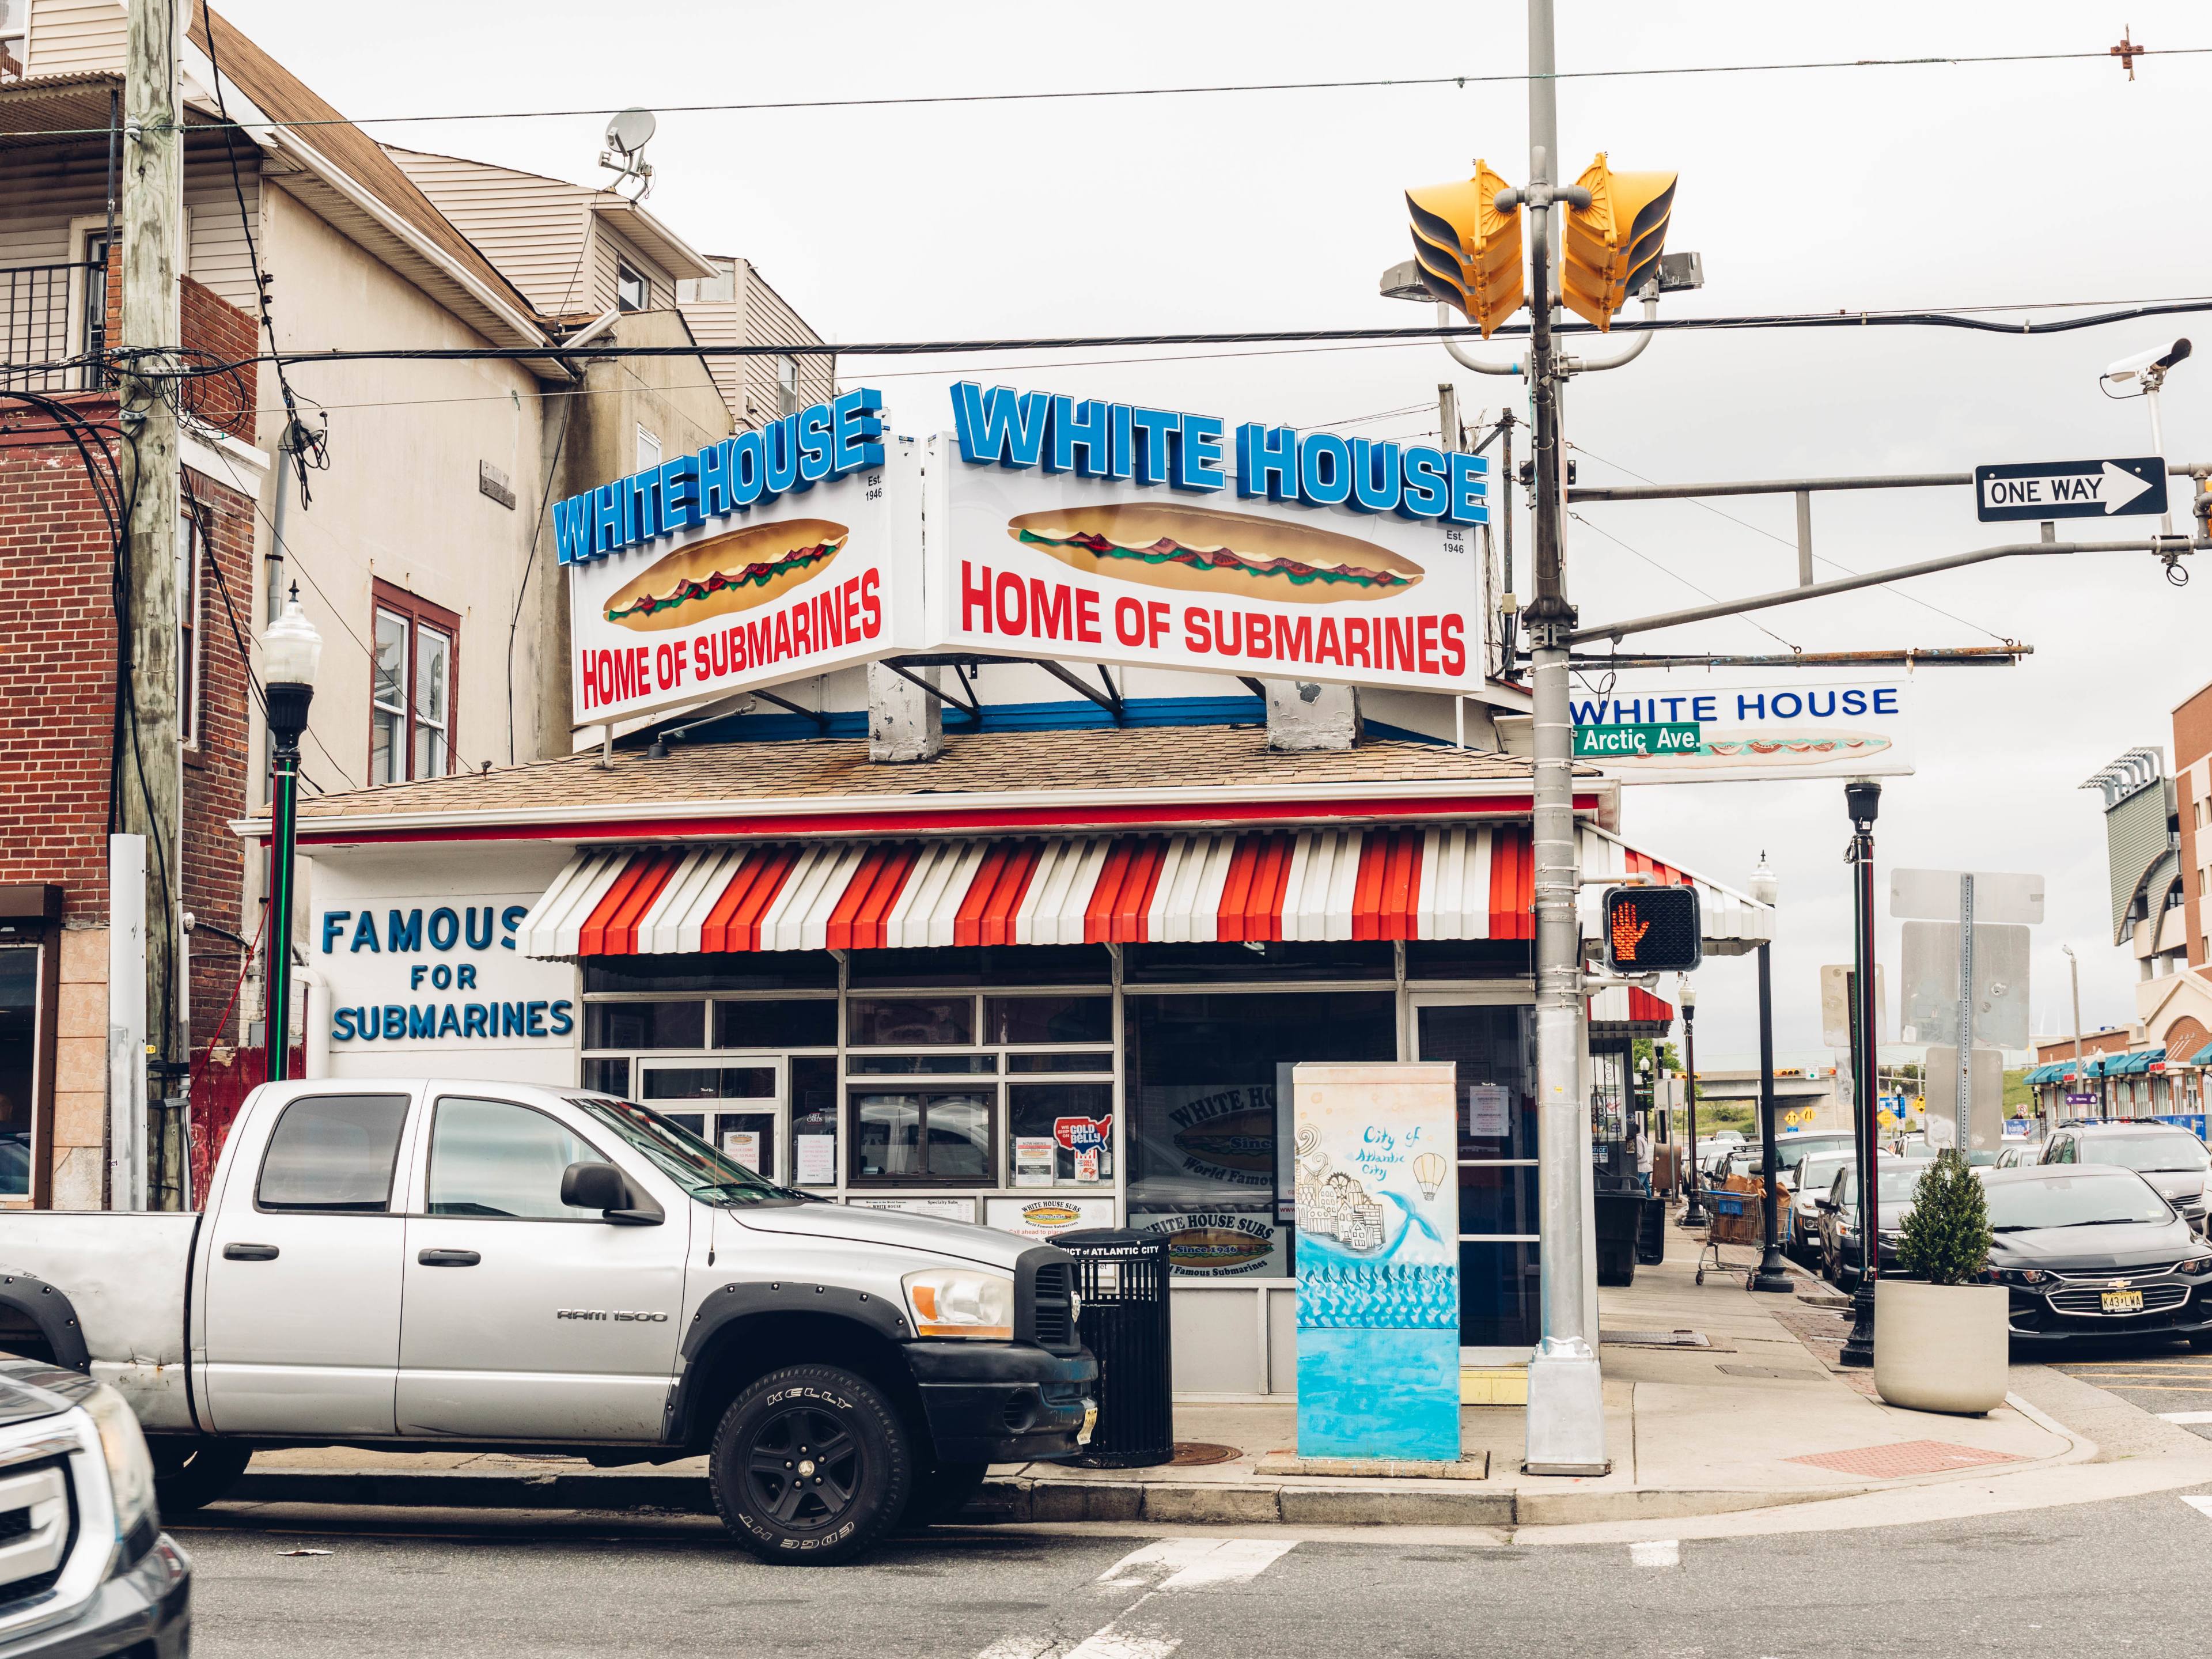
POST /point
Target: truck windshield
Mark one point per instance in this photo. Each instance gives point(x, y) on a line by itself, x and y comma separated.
point(687, 1160)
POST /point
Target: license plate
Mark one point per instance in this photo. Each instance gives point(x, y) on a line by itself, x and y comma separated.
point(2123, 1301)
point(1090, 1414)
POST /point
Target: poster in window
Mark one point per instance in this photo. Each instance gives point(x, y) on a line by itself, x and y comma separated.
point(816, 1159)
point(944, 1209)
point(1220, 1244)
point(1042, 1217)
point(1204, 1142)
point(744, 1145)
point(1033, 1160)
point(1489, 1111)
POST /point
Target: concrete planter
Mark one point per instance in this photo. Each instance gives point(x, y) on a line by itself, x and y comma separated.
point(1940, 1347)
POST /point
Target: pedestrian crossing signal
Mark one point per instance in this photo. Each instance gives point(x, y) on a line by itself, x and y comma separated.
point(1652, 930)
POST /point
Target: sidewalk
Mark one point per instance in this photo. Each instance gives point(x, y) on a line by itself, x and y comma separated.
point(1758, 1416)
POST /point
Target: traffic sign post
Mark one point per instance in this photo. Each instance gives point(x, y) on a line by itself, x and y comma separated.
point(1950, 995)
point(2070, 489)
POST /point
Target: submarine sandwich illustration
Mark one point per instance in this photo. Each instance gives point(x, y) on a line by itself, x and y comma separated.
point(1205, 550)
point(755, 565)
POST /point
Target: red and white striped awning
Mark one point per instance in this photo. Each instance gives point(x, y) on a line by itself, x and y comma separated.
point(1402, 882)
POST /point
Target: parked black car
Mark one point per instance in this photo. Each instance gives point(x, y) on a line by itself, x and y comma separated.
point(2092, 1251)
point(2171, 1158)
point(1898, 1179)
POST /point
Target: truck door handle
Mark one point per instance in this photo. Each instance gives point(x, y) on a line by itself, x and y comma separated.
point(448, 1258)
point(249, 1252)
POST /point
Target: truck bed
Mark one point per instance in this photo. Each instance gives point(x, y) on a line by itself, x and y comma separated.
point(125, 1273)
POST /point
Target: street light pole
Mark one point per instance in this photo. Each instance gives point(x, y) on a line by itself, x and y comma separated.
point(290, 649)
point(1773, 1272)
point(1862, 798)
point(1694, 1213)
point(2074, 972)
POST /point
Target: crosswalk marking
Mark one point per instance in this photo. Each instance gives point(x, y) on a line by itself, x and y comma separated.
point(1168, 1565)
point(1657, 1553)
point(2201, 1505)
point(2186, 1416)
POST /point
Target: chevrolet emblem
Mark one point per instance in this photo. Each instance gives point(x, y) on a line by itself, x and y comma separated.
point(2118, 1284)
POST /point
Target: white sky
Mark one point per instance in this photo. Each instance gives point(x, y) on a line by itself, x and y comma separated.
point(1804, 190)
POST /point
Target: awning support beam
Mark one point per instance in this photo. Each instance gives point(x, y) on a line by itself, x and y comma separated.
point(1109, 699)
point(821, 720)
point(974, 711)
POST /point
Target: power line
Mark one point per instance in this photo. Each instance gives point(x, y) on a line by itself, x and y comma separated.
point(1090, 94)
point(1668, 570)
point(1777, 320)
point(1791, 543)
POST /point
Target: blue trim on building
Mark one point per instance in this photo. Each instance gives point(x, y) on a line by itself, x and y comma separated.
point(850, 723)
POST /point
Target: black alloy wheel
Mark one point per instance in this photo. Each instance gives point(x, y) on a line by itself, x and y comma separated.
point(811, 1464)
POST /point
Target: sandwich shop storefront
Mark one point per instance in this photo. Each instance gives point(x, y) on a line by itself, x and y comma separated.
point(1048, 979)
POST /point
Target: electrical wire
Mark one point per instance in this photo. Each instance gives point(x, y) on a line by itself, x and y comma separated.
point(127, 360)
point(1788, 542)
point(1669, 571)
point(1092, 94)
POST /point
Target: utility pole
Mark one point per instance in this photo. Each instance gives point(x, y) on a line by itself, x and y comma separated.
point(150, 777)
point(2074, 972)
point(1566, 1404)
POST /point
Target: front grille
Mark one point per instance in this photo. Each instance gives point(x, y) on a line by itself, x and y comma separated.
point(2157, 1298)
point(34, 1530)
point(1052, 1313)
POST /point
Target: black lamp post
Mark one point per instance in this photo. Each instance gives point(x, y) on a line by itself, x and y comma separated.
point(1863, 798)
point(1694, 1213)
point(290, 650)
point(1773, 1274)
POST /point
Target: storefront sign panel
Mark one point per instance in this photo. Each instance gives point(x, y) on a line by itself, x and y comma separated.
point(1220, 1244)
point(1090, 566)
point(1377, 1261)
point(819, 578)
point(1832, 729)
point(413, 974)
point(1041, 1218)
point(1202, 1145)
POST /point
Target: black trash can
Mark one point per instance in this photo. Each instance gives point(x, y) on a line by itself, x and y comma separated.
point(1123, 1276)
point(1651, 1236)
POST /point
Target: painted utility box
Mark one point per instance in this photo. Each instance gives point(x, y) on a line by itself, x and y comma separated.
point(1378, 1212)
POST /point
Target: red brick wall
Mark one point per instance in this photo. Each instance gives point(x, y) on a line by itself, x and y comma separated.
point(57, 696)
point(207, 323)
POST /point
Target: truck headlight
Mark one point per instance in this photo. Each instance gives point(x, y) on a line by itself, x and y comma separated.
point(961, 1302)
point(130, 1465)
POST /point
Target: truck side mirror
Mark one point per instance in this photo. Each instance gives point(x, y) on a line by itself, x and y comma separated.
point(593, 1187)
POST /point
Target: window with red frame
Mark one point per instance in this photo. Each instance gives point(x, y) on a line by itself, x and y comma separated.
point(411, 716)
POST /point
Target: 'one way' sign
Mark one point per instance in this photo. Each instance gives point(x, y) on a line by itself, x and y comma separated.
point(2070, 489)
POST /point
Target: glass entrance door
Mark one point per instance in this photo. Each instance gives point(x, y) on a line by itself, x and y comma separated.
point(1492, 1046)
point(735, 1103)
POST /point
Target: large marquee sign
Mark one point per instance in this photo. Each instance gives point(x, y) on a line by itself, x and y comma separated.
point(772, 555)
point(1108, 532)
point(1046, 526)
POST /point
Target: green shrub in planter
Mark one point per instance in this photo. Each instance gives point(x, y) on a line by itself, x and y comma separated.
point(1947, 1237)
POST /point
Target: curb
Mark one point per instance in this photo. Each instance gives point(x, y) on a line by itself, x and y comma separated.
point(1024, 1499)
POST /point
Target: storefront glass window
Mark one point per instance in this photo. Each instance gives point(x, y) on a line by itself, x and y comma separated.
point(736, 970)
point(899, 1022)
point(710, 1083)
point(984, 964)
point(811, 1024)
point(875, 1064)
point(609, 1077)
point(1207, 1081)
point(1493, 1049)
point(1075, 1119)
point(19, 1048)
point(922, 1134)
point(1101, 1061)
point(1049, 1019)
point(814, 1120)
point(645, 1025)
point(1267, 961)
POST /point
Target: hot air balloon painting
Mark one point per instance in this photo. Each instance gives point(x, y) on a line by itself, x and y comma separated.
point(1429, 1170)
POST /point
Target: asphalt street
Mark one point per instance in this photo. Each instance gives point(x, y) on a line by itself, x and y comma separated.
point(2114, 1577)
point(2173, 1384)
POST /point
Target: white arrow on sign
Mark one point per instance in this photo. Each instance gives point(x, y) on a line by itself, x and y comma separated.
point(2112, 489)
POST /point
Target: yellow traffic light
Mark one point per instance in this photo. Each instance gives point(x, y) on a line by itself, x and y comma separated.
point(1613, 245)
point(1468, 252)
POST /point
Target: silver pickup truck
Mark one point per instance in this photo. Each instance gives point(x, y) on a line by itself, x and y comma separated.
point(429, 1265)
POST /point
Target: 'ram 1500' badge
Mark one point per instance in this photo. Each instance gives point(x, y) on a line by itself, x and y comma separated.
point(618, 1317)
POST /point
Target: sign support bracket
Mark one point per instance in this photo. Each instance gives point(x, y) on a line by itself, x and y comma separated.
point(821, 721)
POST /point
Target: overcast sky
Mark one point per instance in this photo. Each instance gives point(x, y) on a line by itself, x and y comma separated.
point(1827, 189)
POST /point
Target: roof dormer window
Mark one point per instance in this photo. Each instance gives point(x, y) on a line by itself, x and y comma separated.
point(632, 291)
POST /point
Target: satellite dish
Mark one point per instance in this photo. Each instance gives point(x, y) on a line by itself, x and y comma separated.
point(630, 130)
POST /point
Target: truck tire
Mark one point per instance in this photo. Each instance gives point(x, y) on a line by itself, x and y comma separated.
point(941, 1491)
point(192, 1470)
point(810, 1465)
